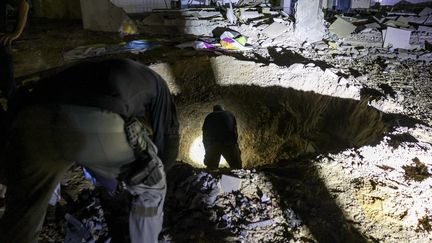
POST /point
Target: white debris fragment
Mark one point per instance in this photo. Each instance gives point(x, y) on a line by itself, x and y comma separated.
point(425, 11)
point(423, 28)
point(230, 183)
point(103, 15)
point(245, 15)
point(309, 24)
point(417, 20)
point(207, 14)
point(397, 38)
point(232, 19)
point(260, 224)
point(341, 27)
point(274, 30)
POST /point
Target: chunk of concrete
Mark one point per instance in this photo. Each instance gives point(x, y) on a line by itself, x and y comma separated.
point(379, 20)
point(417, 20)
point(230, 183)
point(423, 28)
point(360, 4)
point(425, 11)
point(274, 30)
point(428, 20)
point(102, 15)
point(207, 14)
point(341, 27)
point(245, 15)
point(395, 23)
point(397, 38)
point(309, 25)
point(373, 25)
point(403, 19)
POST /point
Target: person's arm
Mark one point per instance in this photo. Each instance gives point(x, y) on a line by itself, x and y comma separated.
point(205, 133)
point(23, 9)
point(165, 125)
point(235, 129)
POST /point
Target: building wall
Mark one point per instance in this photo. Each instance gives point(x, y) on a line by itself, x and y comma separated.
point(362, 4)
point(141, 6)
point(55, 9)
point(393, 2)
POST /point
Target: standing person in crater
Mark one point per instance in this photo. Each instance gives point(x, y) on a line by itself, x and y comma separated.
point(220, 137)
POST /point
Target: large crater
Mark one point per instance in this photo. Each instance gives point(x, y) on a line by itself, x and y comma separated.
point(275, 122)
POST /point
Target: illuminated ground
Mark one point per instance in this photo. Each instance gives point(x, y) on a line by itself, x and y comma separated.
point(350, 171)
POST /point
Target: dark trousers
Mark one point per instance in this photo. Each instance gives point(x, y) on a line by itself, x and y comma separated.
point(7, 82)
point(230, 152)
point(45, 142)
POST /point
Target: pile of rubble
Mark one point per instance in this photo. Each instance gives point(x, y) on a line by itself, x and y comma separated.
point(240, 207)
point(403, 35)
point(386, 187)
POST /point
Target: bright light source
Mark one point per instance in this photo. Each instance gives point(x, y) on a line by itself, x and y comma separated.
point(197, 152)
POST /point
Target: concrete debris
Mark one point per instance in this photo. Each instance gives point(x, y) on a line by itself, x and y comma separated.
point(403, 20)
point(427, 29)
point(397, 38)
point(102, 15)
point(404, 13)
point(425, 11)
point(260, 224)
point(428, 21)
point(368, 37)
point(246, 15)
point(417, 19)
point(86, 221)
point(360, 4)
point(426, 57)
point(379, 20)
point(373, 25)
point(274, 30)
point(341, 27)
point(242, 213)
point(232, 19)
point(309, 25)
point(207, 14)
point(395, 23)
point(230, 183)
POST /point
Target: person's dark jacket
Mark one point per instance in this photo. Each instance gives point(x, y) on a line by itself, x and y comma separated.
point(220, 127)
point(122, 86)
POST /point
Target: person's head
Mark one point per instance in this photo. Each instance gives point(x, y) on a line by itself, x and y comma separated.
point(218, 108)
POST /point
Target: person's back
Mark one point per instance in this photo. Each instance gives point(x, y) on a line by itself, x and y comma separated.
point(220, 138)
point(123, 86)
point(220, 127)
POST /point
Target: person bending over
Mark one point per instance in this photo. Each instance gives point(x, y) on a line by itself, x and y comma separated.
point(89, 113)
